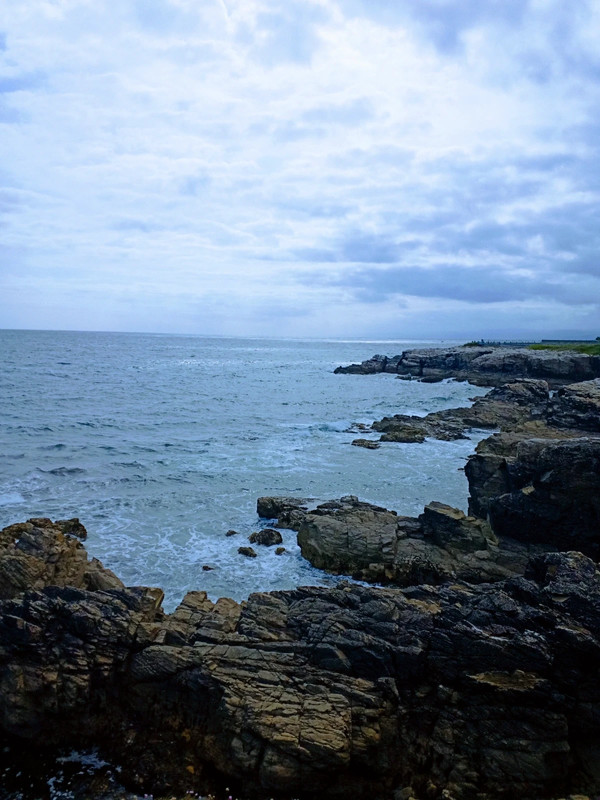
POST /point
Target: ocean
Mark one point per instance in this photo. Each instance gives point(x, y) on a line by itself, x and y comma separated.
point(162, 443)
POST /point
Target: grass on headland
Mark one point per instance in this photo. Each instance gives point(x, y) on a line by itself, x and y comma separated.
point(588, 349)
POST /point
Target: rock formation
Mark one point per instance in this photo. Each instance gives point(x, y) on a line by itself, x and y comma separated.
point(508, 407)
point(457, 691)
point(484, 366)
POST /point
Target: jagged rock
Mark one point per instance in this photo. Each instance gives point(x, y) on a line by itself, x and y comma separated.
point(368, 444)
point(40, 553)
point(291, 518)
point(553, 495)
point(485, 366)
point(456, 691)
point(231, 532)
point(266, 537)
point(576, 406)
point(371, 366)
point(249, 552)
point(273, 507)
point(376, 545)
point(404, 432)
point(508, 407)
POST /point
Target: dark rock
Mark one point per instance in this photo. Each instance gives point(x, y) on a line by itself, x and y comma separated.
point(376, 545)
point(38, 553)
point(207, 568)
point(72, 527)
point(291, 518)
point(405, 433)
point(266, 536)
point(249, 552)
point(508, 407)
point(272, 507)
point(553, 495)
point(368, 444)
point(232, 533)
point(457, 691)
point(372, 366)
point(576, 406)
point(485, 366)
point(279, 551)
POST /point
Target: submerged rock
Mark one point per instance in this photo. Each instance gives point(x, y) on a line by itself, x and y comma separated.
point(368, 444)
point(249, 552)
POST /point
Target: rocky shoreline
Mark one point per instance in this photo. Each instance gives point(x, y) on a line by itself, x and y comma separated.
point(483, 366)
point(468, 672)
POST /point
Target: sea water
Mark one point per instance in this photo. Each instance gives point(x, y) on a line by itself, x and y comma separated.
point(162, 443)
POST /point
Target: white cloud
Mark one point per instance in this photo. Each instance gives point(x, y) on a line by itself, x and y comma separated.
point(169, 154)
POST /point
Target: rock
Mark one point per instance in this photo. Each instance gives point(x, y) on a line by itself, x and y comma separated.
point(552, 495)
point(376, 545)
point(404, 432)
point(39, 553)
point(272, 507)
point(266, 537)
point(576, 406)
point(457, 691)
point(231, 532)
point(207, 568)
point(249, 552)
point(291, 518)
point(279, 551)
point(485, 366)
point(369, 444)
point(373, 365)
point(508, 407)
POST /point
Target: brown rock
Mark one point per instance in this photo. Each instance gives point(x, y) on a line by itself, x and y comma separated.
point(266, 537)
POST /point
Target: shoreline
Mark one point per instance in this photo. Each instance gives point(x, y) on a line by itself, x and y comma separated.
point(319, 692)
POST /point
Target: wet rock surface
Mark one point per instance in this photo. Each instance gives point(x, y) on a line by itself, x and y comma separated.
point(509, 407)
point(456, 691)
point(267, 537)
point(442, 544)
point(484, 366)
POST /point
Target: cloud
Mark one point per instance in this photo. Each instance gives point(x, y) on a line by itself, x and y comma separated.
point(354, 165)
point(476, 285)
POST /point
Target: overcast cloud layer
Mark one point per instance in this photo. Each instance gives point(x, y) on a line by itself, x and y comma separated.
point(393, 168)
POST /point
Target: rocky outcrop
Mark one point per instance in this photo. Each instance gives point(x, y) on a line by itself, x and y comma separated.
point(272, 507)
point(508, 407)
point(484, 366)
point(370, 543)
point(42, 553)
point(576, 406)
point(288, 511)
point(459, 692)
point(526, 495)
point(552, 495)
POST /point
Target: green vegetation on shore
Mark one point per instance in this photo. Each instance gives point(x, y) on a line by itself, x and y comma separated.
point(588, 349)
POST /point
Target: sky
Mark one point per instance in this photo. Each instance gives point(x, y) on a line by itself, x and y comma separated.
point(335, 168)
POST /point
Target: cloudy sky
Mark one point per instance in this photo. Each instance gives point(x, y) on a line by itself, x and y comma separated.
point(368, 168)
